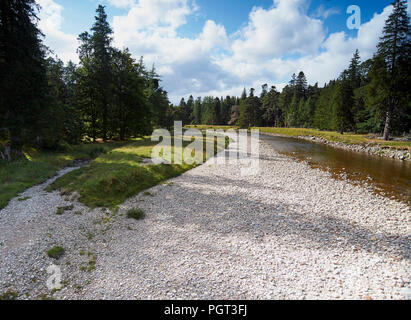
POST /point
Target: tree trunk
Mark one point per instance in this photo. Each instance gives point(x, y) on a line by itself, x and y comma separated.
point(15, 149)
point(387, 128)
point(6, 155)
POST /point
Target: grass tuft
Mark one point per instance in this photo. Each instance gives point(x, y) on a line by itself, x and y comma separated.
point(55, 252)
point(9, 295)
point(61, 210)
point(136, 214)
point(23, 199)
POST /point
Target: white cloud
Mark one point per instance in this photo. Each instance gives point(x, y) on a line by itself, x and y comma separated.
point(326, 60)
point(274, 43)
point(187, 65)
point(63, 44)
point(122, 3)
point(283, 29)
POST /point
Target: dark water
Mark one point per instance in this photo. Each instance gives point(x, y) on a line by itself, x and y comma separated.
point(388, 177)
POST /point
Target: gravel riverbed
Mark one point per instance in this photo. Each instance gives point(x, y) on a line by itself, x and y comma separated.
point(288, 232)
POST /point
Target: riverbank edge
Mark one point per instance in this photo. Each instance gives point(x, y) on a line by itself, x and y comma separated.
point(371, 149)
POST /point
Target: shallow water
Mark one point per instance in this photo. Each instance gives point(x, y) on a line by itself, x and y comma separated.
point(388, 177)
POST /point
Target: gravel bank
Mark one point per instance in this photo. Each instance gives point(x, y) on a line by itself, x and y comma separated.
point(290, 232)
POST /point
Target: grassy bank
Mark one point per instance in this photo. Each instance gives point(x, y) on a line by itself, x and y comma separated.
point(206, 127)
point(331, 136)
point(17, 176)
point(119, 174)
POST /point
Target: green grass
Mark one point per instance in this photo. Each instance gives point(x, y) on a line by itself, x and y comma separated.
point(136, 214)
point(9, 295)
point(23, 199)
point(61, 210)
point(332, 136)
point(55, 252)
point(118, 175)
point(17, 176)
point(206, 127)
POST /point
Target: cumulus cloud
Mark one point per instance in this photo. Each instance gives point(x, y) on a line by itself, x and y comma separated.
point(63, 44)
point(273, 44)
point(150, 29)
point(283, 29)
point(322, 62)
point(122, 3)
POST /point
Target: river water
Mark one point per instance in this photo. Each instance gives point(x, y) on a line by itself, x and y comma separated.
point(388, 177)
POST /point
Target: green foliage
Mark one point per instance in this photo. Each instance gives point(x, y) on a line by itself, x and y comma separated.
point(341, 106)
point(136, 214)
point(17, 176)
point(23, 81)
point(115, 176)
point(394, 49)
point(366, 97)
point(9, 295)
point(250, 111)
point(118, 175)
point(332, 136)
point(61, 210)
point(55, 252)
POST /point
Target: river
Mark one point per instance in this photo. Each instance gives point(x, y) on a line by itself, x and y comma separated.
point(388, 177)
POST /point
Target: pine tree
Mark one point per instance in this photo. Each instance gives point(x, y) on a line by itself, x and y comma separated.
point(270, 108)
point(300, 86)
point(131, 114)
point(353, 71)
point(101, 42)
point(342, 101)
point(156, 97)
point(394, 47)
point(217, 112)
point(197, 111)
point(189, 109)
point(292, 113)
point(244, 94)
point(23, 82)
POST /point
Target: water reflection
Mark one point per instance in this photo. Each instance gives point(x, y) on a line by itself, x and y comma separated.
point(389, 177)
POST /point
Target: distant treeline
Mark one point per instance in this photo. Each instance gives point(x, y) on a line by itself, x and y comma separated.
point(368, 97)
point(45, 104)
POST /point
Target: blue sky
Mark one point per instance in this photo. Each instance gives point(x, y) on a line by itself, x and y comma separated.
point(216, 47)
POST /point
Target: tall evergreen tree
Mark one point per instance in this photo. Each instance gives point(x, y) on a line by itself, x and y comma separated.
point(101, 42)
point(342, 101)
point(271, 112)
point(197, 111)
point(131, 114)
point(394, 47)
point(23, 81)
point(157, 98)
point(353, 71)
point(301, 86)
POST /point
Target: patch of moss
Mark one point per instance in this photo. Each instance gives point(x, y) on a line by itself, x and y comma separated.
point(9, 295)
point(136, 214)
point(61, 210)
point(23, 199)
point(55, 252)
